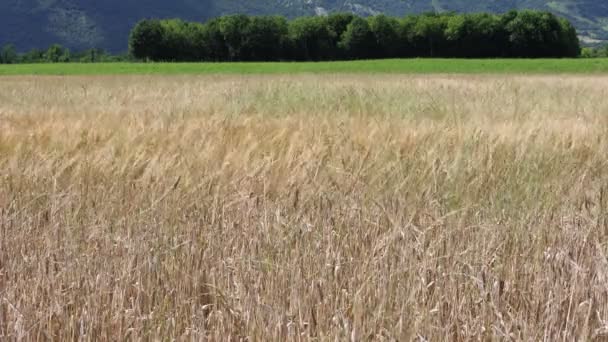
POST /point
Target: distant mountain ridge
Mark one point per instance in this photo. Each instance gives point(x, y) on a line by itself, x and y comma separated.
point(81, 24)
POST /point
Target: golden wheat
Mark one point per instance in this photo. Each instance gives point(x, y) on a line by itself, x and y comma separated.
point(304, 208)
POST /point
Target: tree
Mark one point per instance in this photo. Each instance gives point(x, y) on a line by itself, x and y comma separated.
point(145, 40)
point(8, 54)
point(458, 33)
point(33, 56)
point(525, 37)
point(57, 54)
point(265, 38)
point(429, 34)
point(569, 43)
point(210, 43)
point(311, 39)
point(233, 28)
point(346, 36)
point(386, 35)
point(90, 56)
point(336, 25)
point(474, 35)
point(409, 46)
point(550, 29)
point(178, 41)
point(358, 40)
point(488, 37)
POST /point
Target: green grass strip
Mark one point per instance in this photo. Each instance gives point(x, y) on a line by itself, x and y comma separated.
point(392, 66)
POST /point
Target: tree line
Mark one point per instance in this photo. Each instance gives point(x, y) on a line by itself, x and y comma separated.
point(339, 36)
point(598, 51)
point(344, 36)
point(57, 54)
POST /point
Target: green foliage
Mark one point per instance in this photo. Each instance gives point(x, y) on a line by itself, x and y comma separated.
point(178, 42)
point(540, 34)
point(311, 39)
point(337, 24)
point(358, 40)
point(569, 43)
point(8, 54)
point(386, 35)
point(429, 35)
point(345, 36)
point(211, 44)
point(406, 36)
point(89, 56)
point(233, 29)
point(146, 39)
point(595, 52)
point(33, 56)
point(57, 54)
point(476, 35)
point(266, 39)
point(254, 38)
point(97, 56)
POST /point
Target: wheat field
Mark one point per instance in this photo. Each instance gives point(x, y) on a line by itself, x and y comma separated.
point(308, 208)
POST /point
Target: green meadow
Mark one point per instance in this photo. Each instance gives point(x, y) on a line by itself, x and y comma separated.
point(391, 66)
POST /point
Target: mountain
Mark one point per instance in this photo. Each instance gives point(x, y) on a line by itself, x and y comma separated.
point(81, 24)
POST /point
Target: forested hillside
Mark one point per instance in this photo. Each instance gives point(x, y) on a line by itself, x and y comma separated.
point(106, 24)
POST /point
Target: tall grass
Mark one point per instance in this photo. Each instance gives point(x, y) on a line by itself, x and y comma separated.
point(304, 208)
